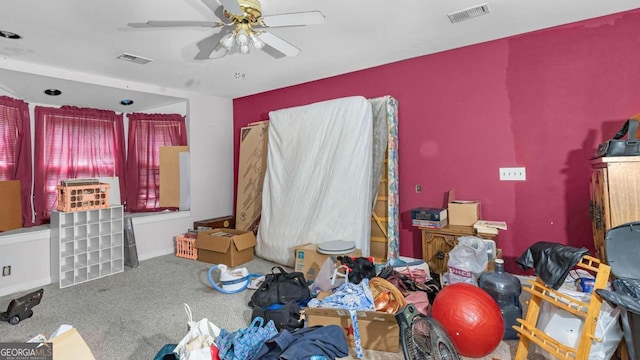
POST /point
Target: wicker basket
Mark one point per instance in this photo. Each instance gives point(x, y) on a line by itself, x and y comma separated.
point(386, 297)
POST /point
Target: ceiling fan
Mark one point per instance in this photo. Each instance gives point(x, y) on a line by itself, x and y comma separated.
point(247, 27)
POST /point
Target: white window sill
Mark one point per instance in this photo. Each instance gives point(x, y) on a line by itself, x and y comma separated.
point(24, 234)
point(146, 218)
point(38, 232)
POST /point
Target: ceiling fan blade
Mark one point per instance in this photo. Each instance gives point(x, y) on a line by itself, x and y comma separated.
point(293, 19)
point(179, 23)
point(209, 46)
point(279, 44)
point(232, 6)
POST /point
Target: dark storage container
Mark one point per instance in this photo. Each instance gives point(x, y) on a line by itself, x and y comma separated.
point(622, 246)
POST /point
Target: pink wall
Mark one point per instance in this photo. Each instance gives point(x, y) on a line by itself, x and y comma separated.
point(542, 100)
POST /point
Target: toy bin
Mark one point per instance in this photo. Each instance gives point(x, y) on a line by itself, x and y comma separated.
point(82, 197)
point(185, 247)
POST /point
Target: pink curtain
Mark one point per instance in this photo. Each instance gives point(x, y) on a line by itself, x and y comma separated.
point(73, 142)
point(15, 150)
point(147, 133)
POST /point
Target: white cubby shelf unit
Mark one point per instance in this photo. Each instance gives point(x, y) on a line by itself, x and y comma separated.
point(86, 245)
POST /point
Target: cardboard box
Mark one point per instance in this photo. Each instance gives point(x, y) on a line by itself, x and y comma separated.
point(378, 331)
point(225, 246)
point(70, 345)
point(252, 166)
point(10, 216)
point(463, 212)
point(308, 260)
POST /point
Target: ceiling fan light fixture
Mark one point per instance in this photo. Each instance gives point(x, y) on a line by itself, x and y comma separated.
point(244, 49)
point(255, 41)
point(242, 37)
point(227, 41)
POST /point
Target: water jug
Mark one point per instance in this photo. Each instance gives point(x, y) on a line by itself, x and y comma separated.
point(505, 288)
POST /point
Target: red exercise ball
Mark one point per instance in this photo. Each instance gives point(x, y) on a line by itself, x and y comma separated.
point(472, 318)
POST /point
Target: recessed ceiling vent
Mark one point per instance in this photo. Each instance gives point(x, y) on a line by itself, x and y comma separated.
point(134, 58)
point(469, 13)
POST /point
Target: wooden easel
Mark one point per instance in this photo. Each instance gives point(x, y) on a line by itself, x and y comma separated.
point(589, 311)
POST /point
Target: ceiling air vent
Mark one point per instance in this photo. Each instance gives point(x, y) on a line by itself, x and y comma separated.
point(469, 13)
point(134, 58)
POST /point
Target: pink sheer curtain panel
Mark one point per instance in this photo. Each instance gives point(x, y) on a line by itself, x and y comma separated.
point(15, 150)
point(71, 143)
point(147, 133)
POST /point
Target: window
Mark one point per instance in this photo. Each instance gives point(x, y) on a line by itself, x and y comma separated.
point(73, 143)
point(15, 150)
point(147, 133)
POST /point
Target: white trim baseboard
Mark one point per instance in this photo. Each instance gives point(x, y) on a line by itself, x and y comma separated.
point(156, 253)
point(25, 286)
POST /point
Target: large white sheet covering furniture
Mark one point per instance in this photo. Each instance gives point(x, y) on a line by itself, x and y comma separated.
point(317, 185)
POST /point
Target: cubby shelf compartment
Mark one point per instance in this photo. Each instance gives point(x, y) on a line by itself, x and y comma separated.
point(86, 245)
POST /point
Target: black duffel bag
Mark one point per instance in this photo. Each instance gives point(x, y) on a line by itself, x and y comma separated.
point(284, 316)
point(281, 287)
point(619, 147)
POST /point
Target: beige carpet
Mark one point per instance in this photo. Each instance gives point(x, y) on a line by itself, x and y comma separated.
point(131, 315)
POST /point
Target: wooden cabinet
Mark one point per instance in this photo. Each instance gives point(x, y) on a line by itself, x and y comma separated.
point(615, 196)
point(228, 222)
point(436, 244)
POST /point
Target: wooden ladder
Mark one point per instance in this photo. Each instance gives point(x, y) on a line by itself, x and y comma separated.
point(589, 311)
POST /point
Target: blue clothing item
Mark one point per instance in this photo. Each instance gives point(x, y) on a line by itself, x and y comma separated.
point(352, 297)
point(317, 343)
point(243, 343)
point(348, 296)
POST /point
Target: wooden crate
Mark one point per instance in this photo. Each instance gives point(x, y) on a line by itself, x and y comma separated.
point(83, 197)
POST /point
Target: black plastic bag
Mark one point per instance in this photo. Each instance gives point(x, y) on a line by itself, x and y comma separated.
point(551, 261)
point(281, 288)
point(359, 268)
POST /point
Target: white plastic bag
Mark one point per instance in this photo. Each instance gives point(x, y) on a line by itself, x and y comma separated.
point(567, 327)
point(467, 260)
point(196, 345)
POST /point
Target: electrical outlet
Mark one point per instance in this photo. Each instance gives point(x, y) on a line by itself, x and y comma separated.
point(513, 174)
point(418, 189)
point(6, 270)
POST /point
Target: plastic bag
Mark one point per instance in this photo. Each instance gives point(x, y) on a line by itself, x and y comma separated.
point(196, 345)
point(467, 260)
point(324, 280)
point(567, 327)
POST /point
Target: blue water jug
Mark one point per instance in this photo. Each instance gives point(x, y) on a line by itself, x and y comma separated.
point(505, 289)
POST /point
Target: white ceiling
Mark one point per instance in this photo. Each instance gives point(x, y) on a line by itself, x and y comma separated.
point(62, 37)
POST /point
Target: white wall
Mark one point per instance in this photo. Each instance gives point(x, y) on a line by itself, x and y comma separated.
point(210, 134)
point(28, 255)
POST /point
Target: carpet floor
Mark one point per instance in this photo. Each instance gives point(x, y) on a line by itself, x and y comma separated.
point(131, 315)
